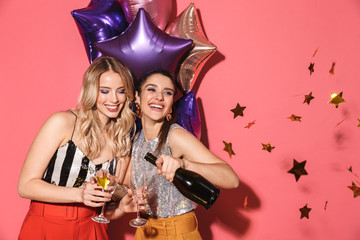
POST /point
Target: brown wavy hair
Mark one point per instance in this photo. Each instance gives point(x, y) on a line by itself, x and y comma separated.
point(119, 130)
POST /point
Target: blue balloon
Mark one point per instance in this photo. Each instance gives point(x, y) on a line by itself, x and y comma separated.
point(101, 20)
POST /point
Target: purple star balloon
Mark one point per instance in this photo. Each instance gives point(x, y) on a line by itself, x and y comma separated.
point(101, 20)
point(143, 47)
point(187, 114)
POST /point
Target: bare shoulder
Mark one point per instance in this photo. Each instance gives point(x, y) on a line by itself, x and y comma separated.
point(177, 134)
point(59, 125)
point(180, 138)
point(62, 119)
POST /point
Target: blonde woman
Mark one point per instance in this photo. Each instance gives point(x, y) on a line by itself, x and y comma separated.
point(70, 148)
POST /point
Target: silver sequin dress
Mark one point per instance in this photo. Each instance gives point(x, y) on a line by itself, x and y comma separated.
point(164, 198)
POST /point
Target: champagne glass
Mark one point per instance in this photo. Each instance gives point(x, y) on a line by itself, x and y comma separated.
point(107, 186)
point(137, 180)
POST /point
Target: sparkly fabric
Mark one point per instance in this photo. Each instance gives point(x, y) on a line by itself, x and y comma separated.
point(164, 198)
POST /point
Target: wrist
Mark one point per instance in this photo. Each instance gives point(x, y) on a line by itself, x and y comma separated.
point(79, 198)
point(120, 192)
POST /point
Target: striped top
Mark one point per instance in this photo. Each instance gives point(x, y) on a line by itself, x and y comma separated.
point(69, 167)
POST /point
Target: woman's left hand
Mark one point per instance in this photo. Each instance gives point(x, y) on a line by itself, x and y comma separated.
point(115, 210)
point(167, 166)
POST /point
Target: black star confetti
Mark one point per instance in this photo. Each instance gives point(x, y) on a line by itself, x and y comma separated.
point(298, 169)
point(305, 211)
point(311, 68)
point(238, 110)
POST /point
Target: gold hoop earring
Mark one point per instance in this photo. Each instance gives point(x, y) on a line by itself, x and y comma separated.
point(168, 117)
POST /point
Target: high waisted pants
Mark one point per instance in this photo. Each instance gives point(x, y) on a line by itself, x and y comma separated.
point(46, 221)
point(173, 228)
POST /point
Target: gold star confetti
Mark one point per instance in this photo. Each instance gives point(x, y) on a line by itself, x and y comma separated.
point(336, 99)
point(308, 98)
point(298, 169)
point(359, 122)
point(295, 118)
point(245, 201)
point(332, 69)
point(250, 124)
point(267, 147)
point(325, 206)
point(238, 110)
point(228, 148)
point(311, 68)
point(315, 52)
point(305, 211)
point(355, 189)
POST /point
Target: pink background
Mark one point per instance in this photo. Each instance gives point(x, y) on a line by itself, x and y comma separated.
point(264, 50)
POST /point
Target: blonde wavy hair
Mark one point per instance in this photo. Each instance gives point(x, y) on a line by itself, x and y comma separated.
point(119, 130)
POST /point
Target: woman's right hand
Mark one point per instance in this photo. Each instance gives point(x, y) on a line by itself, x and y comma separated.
point(167, 166)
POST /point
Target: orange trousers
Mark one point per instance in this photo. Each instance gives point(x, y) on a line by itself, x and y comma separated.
point(46, 221)
point(173, 228)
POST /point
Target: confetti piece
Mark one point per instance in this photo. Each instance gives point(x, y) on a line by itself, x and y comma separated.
point(305, 211)
point(238, 110)
point(315, 52)
point(295, 118)
point(308, 98)
point(250, 124)
point(355, 189)
point(339, 123)
point(228, 148)
point(298, 169)
point(336, 99)
point(332, 69)
point(311, 68)
point(245, 201)
point(267, 147)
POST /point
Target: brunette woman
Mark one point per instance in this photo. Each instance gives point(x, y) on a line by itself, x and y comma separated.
point(171, 215)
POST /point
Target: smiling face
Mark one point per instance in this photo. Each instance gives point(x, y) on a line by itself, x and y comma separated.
point(156, 97)
point(111, 96)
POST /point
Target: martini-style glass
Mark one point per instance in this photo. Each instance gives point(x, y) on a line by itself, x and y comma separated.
point(107, 186)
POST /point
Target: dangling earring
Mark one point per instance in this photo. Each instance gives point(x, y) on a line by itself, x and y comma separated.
point(168, 117)
point(137, 110)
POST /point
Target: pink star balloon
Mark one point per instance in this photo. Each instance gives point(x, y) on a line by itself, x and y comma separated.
point(143, 47)
point(187, 25)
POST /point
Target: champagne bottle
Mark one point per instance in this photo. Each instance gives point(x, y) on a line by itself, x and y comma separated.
point(192, 185)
